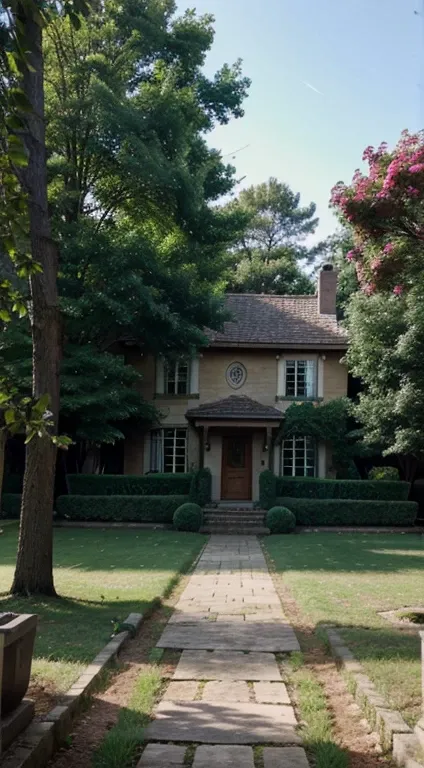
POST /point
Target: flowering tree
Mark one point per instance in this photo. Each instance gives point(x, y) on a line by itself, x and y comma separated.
point(385, 321)
point(385, 209)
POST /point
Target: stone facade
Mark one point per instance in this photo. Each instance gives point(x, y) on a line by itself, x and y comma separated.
point(208, 383)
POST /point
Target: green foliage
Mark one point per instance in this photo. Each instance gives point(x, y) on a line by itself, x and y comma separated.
point(351, 512)
point(317, 488)
point(128, 509)
point(271, 242)
point(188, 517)
point(158, 484)
point(267, 489)
point(280, 520)
point(383, 473)
point(201, 487)
point(330, 422)
point(11, 506)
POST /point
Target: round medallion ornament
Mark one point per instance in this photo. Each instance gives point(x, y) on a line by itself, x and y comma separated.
point(236, 375)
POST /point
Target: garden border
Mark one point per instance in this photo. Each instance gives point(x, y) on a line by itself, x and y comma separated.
point(36, 745)
point(395, 734)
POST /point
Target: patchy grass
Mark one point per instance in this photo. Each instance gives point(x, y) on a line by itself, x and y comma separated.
point(347, 580)
point(316, 730)
point(121, 744)
point(102, 576)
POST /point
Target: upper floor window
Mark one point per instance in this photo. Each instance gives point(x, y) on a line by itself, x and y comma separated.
point(298, 457)
point(168, 450)
point(300, 378)
point(177, 377)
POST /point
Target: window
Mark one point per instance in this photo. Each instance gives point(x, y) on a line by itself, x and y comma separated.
point(300, 378)
point(298, 457)
point(177, 378)
point(168, 450)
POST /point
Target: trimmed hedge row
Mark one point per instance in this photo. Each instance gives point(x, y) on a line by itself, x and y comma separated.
point(129, 509)
point(351, 511)
point(158, 484)
point(11, 506)
point(317, 488)
point(201, 487)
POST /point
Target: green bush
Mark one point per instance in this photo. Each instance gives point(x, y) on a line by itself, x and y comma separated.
point(11, 506)
point(280, 520)
point(136, 509)
point(12, 483)
point(157, 484)
point(351, 511)
point(201, 487)
point(384, 473)
point(267, 489)
point(317, 488)
point(188, 517)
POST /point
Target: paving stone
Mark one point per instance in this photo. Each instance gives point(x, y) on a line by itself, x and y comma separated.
point(271, 693)
point(162, 756)
point(181, 690)
point(260, 636)
point(223, 757)
point(230, 665)
point(236, 617)
point(221, 691)
point(285, 757)
point(207, 723)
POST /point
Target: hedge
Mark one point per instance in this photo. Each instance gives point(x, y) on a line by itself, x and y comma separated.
point(350, 511)
point(317, 488)
point(201, 487)
point(11, 506)
point(137, 509)
point(157, 484)
point(267, 489)
point(188, 517)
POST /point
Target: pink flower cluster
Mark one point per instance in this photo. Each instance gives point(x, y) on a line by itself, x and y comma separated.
point(354, 254)
point(398, 290)
point(388, 248)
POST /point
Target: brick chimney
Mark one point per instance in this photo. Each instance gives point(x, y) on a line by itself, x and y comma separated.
point(327, 287)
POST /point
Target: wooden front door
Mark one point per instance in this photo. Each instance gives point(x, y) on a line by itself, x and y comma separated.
point(237, 467)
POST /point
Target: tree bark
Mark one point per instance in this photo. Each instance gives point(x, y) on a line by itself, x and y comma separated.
point(3, 439)
point(34, 567)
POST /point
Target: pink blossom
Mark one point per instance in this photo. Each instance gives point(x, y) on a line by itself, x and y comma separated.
point(398, 290)
point(388, 248)
point(376, 264)
point(369, 289)
point(412, 191)
point(417, 168)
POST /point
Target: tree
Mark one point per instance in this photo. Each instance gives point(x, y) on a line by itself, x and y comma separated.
point(271, 247)
point(386, 320)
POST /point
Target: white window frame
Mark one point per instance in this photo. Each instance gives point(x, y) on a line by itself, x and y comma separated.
point(175, 367)
point(311, 367)
point(158, 442)
point(290, 443)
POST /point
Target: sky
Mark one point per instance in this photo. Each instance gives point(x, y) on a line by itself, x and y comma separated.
point(329, 77)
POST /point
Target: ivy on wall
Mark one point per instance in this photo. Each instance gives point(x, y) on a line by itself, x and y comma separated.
point(331, 422)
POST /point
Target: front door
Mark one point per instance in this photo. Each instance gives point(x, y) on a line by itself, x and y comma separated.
point(237, 467)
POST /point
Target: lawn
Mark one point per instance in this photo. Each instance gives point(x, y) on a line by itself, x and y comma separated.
point(347, 580)
point(101, 576)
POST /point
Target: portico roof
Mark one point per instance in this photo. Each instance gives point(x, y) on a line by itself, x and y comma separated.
point(235, 407)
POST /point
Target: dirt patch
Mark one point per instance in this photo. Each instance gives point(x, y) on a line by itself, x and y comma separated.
point(351, 731)
point(103, 713)
point(44, 694)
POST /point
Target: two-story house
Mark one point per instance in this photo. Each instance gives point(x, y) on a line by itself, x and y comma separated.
point(223, 409)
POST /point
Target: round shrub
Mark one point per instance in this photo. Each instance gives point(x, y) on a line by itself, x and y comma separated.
point(280, 520)
point(188, 517)
point(383, 473)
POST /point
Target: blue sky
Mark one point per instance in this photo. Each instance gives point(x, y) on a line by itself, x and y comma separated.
point(364, 56)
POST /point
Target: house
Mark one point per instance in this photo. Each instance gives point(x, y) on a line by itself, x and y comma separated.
point(223, 410)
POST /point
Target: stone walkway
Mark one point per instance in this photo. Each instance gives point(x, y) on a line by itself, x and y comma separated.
point(227, 694)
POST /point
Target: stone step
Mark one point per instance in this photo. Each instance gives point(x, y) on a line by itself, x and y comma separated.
point(235, 530)
point(232, 510)
point(230, 519)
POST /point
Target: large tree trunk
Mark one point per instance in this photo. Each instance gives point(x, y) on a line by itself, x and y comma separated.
point(34, 567)
point(3, 440)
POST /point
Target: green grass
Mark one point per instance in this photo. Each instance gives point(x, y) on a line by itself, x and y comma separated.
point(102, 576)
point(316, 731)
point(121, 744)
point(347, 580)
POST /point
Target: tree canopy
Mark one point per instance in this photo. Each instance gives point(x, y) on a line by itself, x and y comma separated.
point(270, 249)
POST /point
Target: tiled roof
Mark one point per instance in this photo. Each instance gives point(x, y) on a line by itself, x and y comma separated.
point(235, 407)
point(277, 320)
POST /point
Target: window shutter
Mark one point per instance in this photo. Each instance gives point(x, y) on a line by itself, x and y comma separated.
point(194, 376)
point(310, 378)
point(281, 377)
point(160, 376)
